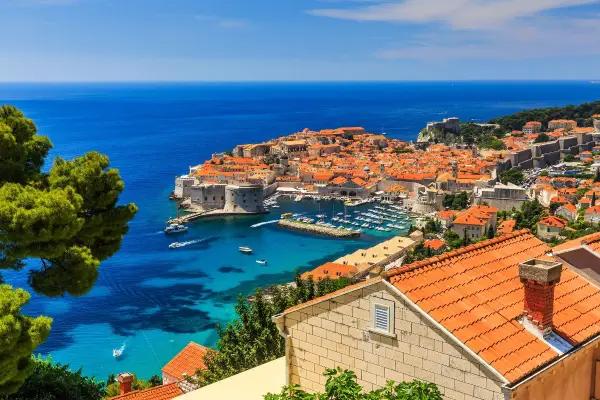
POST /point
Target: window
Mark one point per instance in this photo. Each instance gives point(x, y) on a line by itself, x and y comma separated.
point(382, 316)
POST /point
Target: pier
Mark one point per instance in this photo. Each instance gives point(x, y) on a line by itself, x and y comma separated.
point(317, 229)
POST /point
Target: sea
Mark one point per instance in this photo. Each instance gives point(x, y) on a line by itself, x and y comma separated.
point(152, 300)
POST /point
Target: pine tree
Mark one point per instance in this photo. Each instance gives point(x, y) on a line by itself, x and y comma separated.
point(68, 218)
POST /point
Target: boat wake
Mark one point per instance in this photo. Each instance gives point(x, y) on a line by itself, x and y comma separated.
point(117, 353)
point(177, 245)
point(264, 223)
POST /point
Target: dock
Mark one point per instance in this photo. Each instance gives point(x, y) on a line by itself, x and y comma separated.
point(187, 217)
point(317, 229)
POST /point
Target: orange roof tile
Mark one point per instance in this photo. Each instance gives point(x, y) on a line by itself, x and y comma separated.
point(553, 221)
point(507, 226)
point(475, 292)
point(162, 392)
point(330, 270)
point(189, 360)
point(434, 244)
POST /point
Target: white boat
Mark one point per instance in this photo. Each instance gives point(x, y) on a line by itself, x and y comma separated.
point(119, 352)
point(176, 228)
point(261, 262)
point(245, 249)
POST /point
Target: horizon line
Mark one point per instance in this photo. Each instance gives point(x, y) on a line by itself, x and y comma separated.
point(275, 81)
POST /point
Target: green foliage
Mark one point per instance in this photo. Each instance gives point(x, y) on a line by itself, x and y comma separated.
point(403, 150)
point(569, 158)
point(67, 218)
point(19, 336)
point(342, 385)
point(253, 339)
point(529, 215)
point(113, 389)
point(581, 113)
point(485, 137)
point(420, 252)
point(456, 201)
point(542, 137)
point(50, 381)
point(22, 150)
point(452, 239)
point(513, 175)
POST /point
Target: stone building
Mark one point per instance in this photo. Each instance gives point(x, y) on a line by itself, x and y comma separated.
point(503, 197)
point(244, 199)
point(488, 321)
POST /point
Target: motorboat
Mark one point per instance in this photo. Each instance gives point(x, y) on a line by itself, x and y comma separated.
point(261, 262)
point(175, 228)
point(117, 353)
point(245, 249)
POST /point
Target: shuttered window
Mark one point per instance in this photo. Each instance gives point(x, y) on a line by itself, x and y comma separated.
point(381, 317)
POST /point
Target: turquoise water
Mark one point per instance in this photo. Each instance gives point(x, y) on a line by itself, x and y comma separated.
point(155, 299)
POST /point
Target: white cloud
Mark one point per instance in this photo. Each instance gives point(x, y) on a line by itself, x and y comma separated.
point(458, 14)
point(481, 29)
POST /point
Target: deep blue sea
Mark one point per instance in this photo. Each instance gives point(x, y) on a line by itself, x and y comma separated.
point(155, 299)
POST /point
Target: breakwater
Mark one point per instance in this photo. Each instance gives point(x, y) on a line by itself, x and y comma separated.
point(317, 229)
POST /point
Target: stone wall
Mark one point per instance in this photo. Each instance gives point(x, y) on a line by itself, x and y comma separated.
point(336, 333)
point(243, 199)
point(208, 196)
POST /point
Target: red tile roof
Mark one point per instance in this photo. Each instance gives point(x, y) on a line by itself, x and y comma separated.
point(162, 392)
point(330, 270)
point(475, 292)
point(592, 241)
point(434, 244)
point(553, 221)
point(507, 226)
point(187, 361)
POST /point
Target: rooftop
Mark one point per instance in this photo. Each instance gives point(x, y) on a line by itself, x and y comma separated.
point(162, 392)
point(186, 362)
point(476, 294)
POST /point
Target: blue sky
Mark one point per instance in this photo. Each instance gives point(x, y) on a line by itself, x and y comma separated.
point(216, 40)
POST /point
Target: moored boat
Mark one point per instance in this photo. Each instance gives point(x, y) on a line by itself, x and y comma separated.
point(245, 249)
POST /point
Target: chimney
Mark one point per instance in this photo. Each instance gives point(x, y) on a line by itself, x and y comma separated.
point(539, 278)
point(125, 382)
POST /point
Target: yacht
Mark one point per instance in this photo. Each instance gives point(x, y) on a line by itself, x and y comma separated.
point(176, 228)
point(245, 249)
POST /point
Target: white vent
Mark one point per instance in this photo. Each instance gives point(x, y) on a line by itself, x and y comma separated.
point(381, 317)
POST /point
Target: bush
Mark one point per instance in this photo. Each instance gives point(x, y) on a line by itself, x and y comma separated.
point(50, 381)
point(342, 385)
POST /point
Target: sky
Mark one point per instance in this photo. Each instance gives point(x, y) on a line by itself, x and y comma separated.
point(298, 40)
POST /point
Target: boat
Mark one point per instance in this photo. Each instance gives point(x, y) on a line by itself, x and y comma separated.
point(261, 262)
point(245, 249)
point(118, 352)
point(176, 245)
point(175, 228)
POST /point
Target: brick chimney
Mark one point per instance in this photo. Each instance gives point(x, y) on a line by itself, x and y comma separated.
point(125, 382)
point(539, 278)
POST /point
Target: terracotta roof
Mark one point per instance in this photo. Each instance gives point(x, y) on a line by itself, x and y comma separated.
point(187, 361)
point(553, 221)
point(507, 226)
point(330, 270)
point(434, 244)
point(592, 241)
point(475, 292)
point(593, 210)
point(162, 392)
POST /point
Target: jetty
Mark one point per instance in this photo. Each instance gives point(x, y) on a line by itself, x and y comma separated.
point(317, 229)
point(187, 217)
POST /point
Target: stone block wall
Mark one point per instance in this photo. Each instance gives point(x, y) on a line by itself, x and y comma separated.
point(336, 333)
